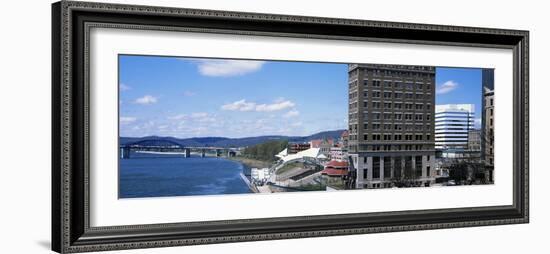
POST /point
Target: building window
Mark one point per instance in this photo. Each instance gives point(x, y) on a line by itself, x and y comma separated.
point(387, 95)
point(428, 174)
point(376, 94)
point(387, 105)
point(375, 167)
point(376, 83)
point(376, 116)
point(419, 106)
point(397, 105)
point(418, 166)
point(398, 116)
point(376, 105)
point(398, 127)
point(387, 84)
point(398, 85)
point(397, 167)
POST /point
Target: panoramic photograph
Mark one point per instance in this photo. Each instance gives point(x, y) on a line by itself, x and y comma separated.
point(207, 126)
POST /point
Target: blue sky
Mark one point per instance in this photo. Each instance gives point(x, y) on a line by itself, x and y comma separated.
point(459, 86)
point(186, 97)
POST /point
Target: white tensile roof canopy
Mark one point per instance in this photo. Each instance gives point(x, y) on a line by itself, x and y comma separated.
point(311, 153)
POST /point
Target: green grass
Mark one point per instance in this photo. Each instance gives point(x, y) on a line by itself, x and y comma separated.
point(313, 187)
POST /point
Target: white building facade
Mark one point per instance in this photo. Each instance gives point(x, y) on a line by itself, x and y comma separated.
point(453, 122)
point(338, 153)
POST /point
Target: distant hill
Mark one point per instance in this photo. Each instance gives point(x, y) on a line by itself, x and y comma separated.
point(235, 142)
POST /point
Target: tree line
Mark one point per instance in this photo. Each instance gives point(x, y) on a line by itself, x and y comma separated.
point(265, 151)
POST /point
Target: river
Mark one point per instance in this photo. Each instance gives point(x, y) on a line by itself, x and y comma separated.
point(154, 175)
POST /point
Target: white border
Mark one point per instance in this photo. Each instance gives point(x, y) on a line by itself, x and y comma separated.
point(107, 210)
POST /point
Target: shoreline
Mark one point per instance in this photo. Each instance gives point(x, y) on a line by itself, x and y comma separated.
point(248, 164)
point(251, 163)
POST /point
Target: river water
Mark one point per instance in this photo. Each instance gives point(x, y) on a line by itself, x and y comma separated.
point(154, 175)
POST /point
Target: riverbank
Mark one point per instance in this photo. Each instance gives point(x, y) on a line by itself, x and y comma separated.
point(252, 163)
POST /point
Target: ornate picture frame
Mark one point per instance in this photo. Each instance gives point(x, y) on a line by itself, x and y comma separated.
point(71, 229)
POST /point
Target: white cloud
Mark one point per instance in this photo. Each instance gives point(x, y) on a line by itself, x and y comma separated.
point(147, 99)
point(291, 113)
point(199, 115)
point(228, 68)
point(275, 106)
point(123, 87)
point(202, 117)
point(178, 117)
point(127, 119)
point(477, 122)
point(446, 87)
point(243, 105)
point(189, 93)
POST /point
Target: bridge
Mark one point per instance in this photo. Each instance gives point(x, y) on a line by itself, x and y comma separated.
point(161, 146)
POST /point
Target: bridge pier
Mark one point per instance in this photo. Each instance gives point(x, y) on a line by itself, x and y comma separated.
point(125, 153)
point(218, 152)
point(187, 153)
point(203, 153)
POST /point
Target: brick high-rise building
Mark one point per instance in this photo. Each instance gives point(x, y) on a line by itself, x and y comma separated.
point(391, 125)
